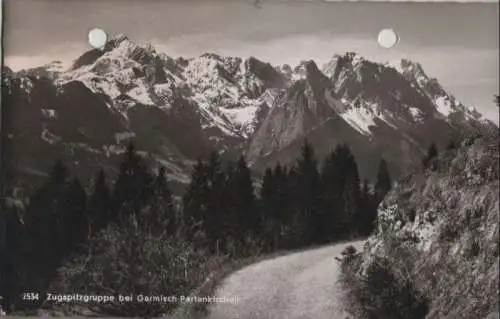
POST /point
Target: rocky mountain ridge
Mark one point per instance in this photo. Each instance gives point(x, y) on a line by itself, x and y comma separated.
point(230, 104)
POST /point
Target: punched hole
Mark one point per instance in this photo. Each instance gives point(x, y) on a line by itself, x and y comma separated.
point(97, 38)
point(387, 38)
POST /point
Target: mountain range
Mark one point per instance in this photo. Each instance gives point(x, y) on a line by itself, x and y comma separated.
point(177, 110)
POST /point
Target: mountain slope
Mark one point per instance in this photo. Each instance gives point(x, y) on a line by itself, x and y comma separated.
point(230, 104)
point(375, 109)
point(439, 231)
point(71, 122)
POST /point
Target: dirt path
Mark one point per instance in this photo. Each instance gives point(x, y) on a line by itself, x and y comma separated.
point(302, 285)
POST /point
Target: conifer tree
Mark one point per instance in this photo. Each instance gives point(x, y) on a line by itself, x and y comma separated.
point(99, 204)
point(429, 159)
point(11, 245)
point(243, 200)
point(331, 190)
point(58, 175)
point(75, 215)
point(132, 188)
point(383, 184)
point(308, 192)
point(268, 209)
point(295, 236)
point(367, 211)
point(195, 202)
point(351, 193)
point(161, 213)
point(340, 192)
point(278, 207)
point(47, 242)
point(451, 145)
point(46, 211)
point(266, 193)
point(283, 199)
point(350, 199)
point(218, 221)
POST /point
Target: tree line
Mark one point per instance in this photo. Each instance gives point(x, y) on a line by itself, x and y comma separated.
point(222, 210)
point(303, 204)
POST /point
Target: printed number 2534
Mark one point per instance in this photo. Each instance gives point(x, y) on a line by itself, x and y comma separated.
point(30, 296)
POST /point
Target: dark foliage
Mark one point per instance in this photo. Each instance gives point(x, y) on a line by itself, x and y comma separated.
point(133, 186)
point(144, 263)
point(383, 184)
point(381, 293)
point(99, 204)
point(430, 160)
point(307, 194)
point(451, 145)
point(160, 214)
point(389, 296)
point(54, 226)
point(63, 229)
point(367, 212)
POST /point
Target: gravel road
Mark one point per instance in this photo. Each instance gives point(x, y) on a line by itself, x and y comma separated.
point(297, 286)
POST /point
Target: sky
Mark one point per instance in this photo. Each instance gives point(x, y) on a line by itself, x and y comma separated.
point(456, 43)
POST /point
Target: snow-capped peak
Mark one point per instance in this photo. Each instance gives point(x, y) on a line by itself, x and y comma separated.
point(354, 58)
point(414, 70)
point(350, 61)
point(55, 66)
point(412, 66)
point(395, 64)
point(229, 92)
point(117, 39)
point(445, 104)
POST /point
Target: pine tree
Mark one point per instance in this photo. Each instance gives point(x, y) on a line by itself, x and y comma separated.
point(451, 145)
point(283, 203)
point(266, 194)
point(278, 207)
point(294, 237)
point(383, 184)
point(429, 159)
point(268, 210)
point(11, 245)
point(351, 193)
point(161, 213)
point(99, 204)
point(46, 212)
point(331, 187)
point(75, 219)
point(46, 242)
point(133, 186)
point(350, 198)
point(342, 163)
point(367, 214)
point(59, 174)
point(340, 193)
point(195, 202)
point(243, 200)
point(309, 189)
point(218, 221)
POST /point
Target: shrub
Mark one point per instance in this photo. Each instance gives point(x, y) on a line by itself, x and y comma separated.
point(349, 250)
point(381, 293)
point(128, 260)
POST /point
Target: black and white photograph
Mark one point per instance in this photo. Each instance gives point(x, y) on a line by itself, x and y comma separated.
point(249, 159)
